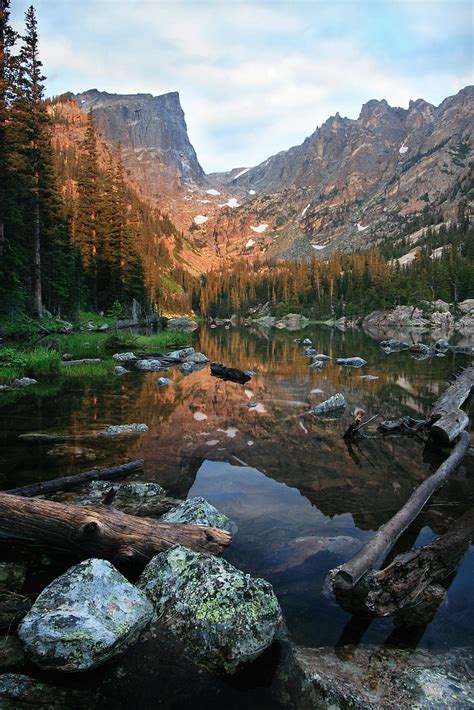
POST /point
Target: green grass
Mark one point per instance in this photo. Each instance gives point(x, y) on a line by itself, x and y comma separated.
point(88, 370)
point(15, 363)
point(83, 345)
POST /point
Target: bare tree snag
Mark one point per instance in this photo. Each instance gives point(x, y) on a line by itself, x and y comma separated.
point(61, 484)
point(86, 531)
point(348, 574)
point(405, 581)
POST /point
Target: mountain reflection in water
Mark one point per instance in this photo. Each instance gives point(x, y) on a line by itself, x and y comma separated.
point(303, 501)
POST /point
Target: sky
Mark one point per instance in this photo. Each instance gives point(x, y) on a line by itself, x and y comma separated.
point(255, 78)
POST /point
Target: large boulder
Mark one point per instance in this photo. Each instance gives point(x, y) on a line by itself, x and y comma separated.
point(197, 511)
point(292, 321)
point(225, 616)
point(181, 354)
point(124, 357)
point(333, 404)
point(150, 365)
point(466, 306)
point(88, 615)
point(186, 325)
point(442, 320)
point(196, 359)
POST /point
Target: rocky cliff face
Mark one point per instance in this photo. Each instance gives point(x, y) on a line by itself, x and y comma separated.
point(154, 138)
point(353, 182)
point(347, 186)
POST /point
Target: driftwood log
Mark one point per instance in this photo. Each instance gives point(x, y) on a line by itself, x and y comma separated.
point(348, 574)
point(406, 580)
point(86, 531)
point(447, 418)
point(65, 482)
point(84, 361)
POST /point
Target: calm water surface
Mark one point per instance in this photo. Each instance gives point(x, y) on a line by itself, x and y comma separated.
point(303, 501)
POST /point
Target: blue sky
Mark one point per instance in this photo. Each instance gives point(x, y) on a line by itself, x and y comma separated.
point(257, 77)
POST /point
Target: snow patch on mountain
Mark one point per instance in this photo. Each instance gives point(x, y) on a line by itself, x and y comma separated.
point(305, 209)
point(231, 202)
point(360, 228)
point(242, 172)
point(318, 247)
point(213, 192)
point(252, 192)
point(403, 149)
point(261, 228)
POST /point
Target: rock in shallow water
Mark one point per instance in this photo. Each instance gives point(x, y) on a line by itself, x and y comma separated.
point(88, 615)
point(197, 511)
point(119, 370)
point(351, 361)
point(332, 404)
point(225, 617)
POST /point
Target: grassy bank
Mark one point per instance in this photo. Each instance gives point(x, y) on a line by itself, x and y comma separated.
point(16, 362)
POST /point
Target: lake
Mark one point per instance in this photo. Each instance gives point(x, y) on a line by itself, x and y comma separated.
point(304, 501)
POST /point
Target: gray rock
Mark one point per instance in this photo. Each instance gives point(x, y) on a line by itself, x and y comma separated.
point(182, 354)
point(198, 511)
point(196, 358)
point(351, 361)
point(186, 325)
point(150, 365)
point(186, 368)
point(250, 373)
point(225, 617)
point(25, 382)
point(292, 321)
point(466, 324)
point(306, 341)
point(124, 357)
point(12, 576)
point(67, 356)
point(20, 692)
point(466, 306)
point(337, 401)
point(119, 371)
point(88, 615)
point(266, 321)
point(163, 381)
point(142, 499)
point(321, 357)
point(310, 352)
point(11, 653)
point(375, 678)
point(442, 346)
point(442, 321)
point(123, 430)
point(394, 345)
point(317, 365)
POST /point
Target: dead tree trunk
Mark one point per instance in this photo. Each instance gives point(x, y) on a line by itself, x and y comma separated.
point(86, 531)
point(348, 574)
point(405, 580)
point(61, 484)
point(447, 417)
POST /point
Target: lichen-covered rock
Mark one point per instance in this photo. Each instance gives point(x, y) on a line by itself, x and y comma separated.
point(163, 381)
point(442, 346)
point(119, 371)
point(197, 511)
point(394, 345)
point(20, 692)
point(186, 368)
point(123, 430)
point(88, 615)
point(150, 365)
point(337, 401)
point(142, 499)
point(351, 361)
point(225, 617)
point(180, 354)
point(124, 357)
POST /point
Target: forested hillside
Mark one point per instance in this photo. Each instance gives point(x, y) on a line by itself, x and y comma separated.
point(74, 233)
point(350, 284)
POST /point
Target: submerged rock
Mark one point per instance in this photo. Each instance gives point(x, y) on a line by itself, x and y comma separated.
point(198, 511)
point(337, 401)
point(20, 692)
point(88, 615)
point(197, 359)
point(322, 357)
point(142, 499)
point(225, 617)
point(351, 361)
point(442, 346)
point(123, 430)
point(163, 381)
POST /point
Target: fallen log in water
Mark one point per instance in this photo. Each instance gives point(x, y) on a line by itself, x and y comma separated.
point(84, 361)
point(407, 578)
point(348, 574)
point(86, 531)
point(447, 417)
point(61, 484)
